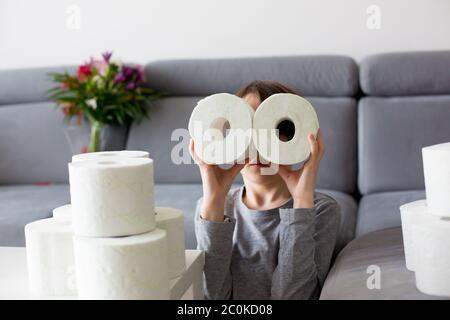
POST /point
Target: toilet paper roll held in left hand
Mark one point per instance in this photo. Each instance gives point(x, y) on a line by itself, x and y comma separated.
point(112, 198)
point(50, 257)
point(281, 126)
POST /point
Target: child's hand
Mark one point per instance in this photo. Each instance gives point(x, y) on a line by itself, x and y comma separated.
point(302, 183)
point(216, 184)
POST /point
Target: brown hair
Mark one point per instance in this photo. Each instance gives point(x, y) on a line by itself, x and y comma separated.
point(264, 89)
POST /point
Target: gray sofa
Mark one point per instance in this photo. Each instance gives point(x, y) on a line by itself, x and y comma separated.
point(406, 105)
point(375, 118)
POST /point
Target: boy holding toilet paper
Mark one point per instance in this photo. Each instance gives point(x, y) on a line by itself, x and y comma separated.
point(272, 238)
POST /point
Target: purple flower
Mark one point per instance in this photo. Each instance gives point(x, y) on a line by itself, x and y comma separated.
point(141, 75)
point(107, 56)
point(127, 71)
point(119, 78)
point(132, 76)
point(130, 86)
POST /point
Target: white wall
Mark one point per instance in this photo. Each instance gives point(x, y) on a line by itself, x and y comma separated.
point(34, 33)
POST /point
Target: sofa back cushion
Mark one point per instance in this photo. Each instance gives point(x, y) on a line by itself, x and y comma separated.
point(391, 134)
point(186, 82)
point(33, 145)
point(28, 85)
point(406, 74)
point(325, 76)
point(159, 137)
point(408, 107)
point(33, 148)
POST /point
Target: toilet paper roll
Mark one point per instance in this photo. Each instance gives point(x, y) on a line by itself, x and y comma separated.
point(431, 241)
point(50, 258)
point(105, 155)
point(63, 212)
point(208, 126)
point(134, 267)
point(112, 198)
point(291, 112)
point(172, 221)
point(436, 168)
point(411, 214)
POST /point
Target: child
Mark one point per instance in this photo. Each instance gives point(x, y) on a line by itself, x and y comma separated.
point(272, 238)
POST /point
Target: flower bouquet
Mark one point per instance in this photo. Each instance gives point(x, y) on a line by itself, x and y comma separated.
point(103, 92)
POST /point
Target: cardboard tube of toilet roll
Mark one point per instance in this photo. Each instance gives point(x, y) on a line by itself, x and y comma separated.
point(293, 110)
point(221, 126)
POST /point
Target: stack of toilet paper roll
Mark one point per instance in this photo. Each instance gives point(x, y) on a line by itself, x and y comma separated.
point(426, 225)
point(110, 242)
point(227, 130)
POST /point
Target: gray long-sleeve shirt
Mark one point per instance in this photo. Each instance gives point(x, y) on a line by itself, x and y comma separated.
point(281, 253)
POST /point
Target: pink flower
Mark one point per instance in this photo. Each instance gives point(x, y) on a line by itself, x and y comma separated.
point(100, 65)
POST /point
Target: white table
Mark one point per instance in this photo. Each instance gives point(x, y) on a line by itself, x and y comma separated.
point(14, 277)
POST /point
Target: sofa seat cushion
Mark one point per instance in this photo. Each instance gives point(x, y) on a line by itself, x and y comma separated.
point(185, 196)
point(349, 275)
point(22, 204)
point(381, 210)
point(348, 217)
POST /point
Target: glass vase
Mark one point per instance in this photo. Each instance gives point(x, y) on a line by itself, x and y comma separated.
point(93, 136)
point(95, 142)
